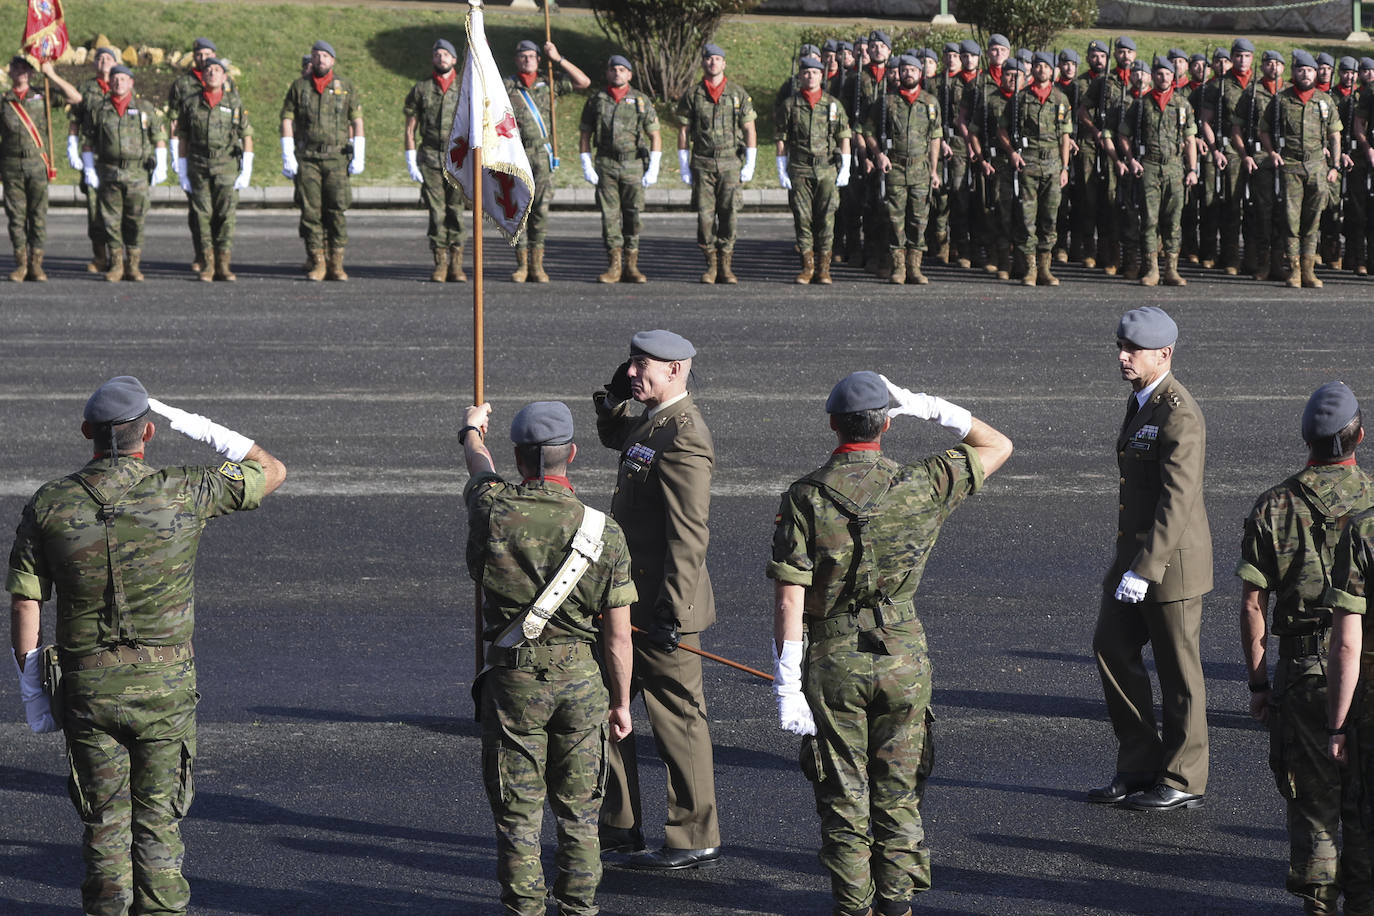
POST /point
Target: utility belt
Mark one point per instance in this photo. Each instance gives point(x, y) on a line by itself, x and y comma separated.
point(908, 160)
point(1161, 157)
point(1309, 646)
point(30, 153)
point(534, 657)
point(1040, 152)
point(125, 655)
point(618, 157)
point(801, 158)
point(864, 618)
point(122, 163)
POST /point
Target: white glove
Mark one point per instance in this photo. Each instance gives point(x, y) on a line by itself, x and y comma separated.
point(37, 708)
point(794, 713)
point(74, 151)
point(88, 170)
point(651, 174)
point(289, 168)
point(926, 407)
point(182, 176)
point(746, 174)
point(228, 443)
point(842, 179)
point(413, 167)
point(684, 166)
point(159, 166)
point(589, 170)
point(178, 161)
point(782, 174)
point(1132, 588)
point(245, 173)
point(355, 165)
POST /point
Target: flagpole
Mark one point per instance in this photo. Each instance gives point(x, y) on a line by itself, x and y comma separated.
point(478, 356)
point(553, 92)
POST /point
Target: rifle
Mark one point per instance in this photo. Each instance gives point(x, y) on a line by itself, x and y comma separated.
point(884, 142)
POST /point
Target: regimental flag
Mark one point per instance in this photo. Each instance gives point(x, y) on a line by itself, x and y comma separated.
point(45, 31)
point(485, 119)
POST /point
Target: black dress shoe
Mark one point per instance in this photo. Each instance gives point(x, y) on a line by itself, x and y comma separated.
point(1162, 798)
point(620, 839)
point(668, 859)
point(1115, 791)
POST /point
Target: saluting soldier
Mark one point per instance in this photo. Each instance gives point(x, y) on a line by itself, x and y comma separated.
point(1034, 133)
point(428, 109)
point(812, 132)
point(531, 97)
point(1264, 249)
point(26, 164)
point(1094, 156)
point(217, 141)
point(1220, 130)
point(322, 141)
point(93, 92)
point(998, 204)
point(717, 148)
point(126, 148)
point(949, 199)
point(1158, 144)
point(620, 123)
point(1101, 110)
point(185, 87)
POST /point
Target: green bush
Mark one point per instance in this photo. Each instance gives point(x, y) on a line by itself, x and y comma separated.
point(1026, 23)
point(663, 38)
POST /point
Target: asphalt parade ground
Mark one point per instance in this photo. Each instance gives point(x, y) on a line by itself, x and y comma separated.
point(339, 761)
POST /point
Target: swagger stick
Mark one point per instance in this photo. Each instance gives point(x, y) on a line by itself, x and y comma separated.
point(715, 658)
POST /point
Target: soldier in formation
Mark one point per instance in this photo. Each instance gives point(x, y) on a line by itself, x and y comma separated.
point(812, 137)
point(428, 110)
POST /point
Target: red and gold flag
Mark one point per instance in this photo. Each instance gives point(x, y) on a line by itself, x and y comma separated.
point(45, 31)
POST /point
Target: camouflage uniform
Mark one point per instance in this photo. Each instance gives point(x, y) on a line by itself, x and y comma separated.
point(544, 706)
point(872, 90)
point(1090, 163)
point(912, 127)
point(1290, 537)
point(212, 142)
point(1263, 230)
point(866, 674)
point(23, 171)
point(1302, 129)
point(129, 684)
point(1359, 230)
point(432, 107)
point(715, 135)
point(998, 204)
point(1207, 195)
point(124, 151)
point(184, 88)
point(1069, 245)
point(620, 136)
point(949, 202)
point(1345, 215)
point(321, 124)
point(1036, 130)
point(811, 136)
point(93, 92)
point(1157, 138)
point(537, 147)
point(1103, 102)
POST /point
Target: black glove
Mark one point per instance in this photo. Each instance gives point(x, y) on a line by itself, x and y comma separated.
point(619, 385)
point(664, 634)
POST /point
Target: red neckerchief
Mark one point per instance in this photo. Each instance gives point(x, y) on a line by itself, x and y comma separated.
point(1194, 84)
point(995, 74)
point(1324, 87)
point(20, 93)
point(1347, 462)
point(200, 77)
point(834, 68)
point(1180, 82)
point(968, 76)
point(121, 106)
point(1006, 94)
point(528, 78)
point(618, 95)
point(552, 478)
point(911, 95)
point(877, 71)
point(1270, 86)
point(103, 84)
point(1304, 95)
point(1344, 91)
point(212, 96)
point(139, 455)
point(1063, 82)
point(858, 447)
point(445, 80)
point(321, 81)
point(1162, 98)
point(1243, 78)
point(716, 91)
point(1123, 74)
point(1043, 94)
point(812, 96)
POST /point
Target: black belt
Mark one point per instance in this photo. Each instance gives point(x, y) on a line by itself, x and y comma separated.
point(865, 618)
point(619, 157)
point(123, 163)
point(1313, 644)
point(538, 656)
point(808, 158)
point(125, 655)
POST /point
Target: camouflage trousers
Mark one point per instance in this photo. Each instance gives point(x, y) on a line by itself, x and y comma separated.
point(907, 202)
point(716, 195)
point(813, 200)
point(95, 228)
point(1035, 230)
point(214, 202)
point(620, 197)
point(537, 225)
point(1264, 222)
point(873, 750)
point(1304, 198)
point(949, 202)
point(1163, 190)
point(999, 208)
point(26, 201)
point(131, 743)
point(1207, 198)
point(444, 201)
point(123, 195)
point(1357, 216)
point(325, 197)
point(544, 734)
point(1322, 797)
point(1097, 210)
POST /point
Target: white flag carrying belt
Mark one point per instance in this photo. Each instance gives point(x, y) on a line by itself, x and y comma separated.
point(583, 550)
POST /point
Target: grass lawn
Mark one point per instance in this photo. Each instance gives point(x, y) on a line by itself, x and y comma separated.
point(385, 47)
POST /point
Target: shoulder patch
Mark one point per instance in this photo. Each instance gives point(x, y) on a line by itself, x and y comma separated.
point(231, 470)
point(954, 454)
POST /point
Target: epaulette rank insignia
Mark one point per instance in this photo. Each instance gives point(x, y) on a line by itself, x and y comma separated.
point(231, 470)
point(953, 454)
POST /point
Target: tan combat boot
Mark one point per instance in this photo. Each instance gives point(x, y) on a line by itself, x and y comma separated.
point(334, 268)
point(522, 265)
point(36, 273)
point(537, 265)
point(1042, 270)
point(440, 272)
point(206, 270)
point(913, 267)
point(132, 259)
point(1003, 265)
point(823, 268)
point(1309, 272)
point(98, 261)
point(808, 268)
point(1261, 271)
point(612, 274)
point(1151, 277)
point(1281, 266)
point(1108, 257)
point(942, 248)
point(632, 273)
point(1130, 269)
point(1294, 279)
point(710, 275)
point(455, 265)
point(898, 267)
point(222, 270)
point(21, 265)
point(114, 270)
point(1171, 275)
point(726, 274)
point(315, 272)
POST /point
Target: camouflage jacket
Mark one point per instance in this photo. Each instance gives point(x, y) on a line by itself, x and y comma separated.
point(1158, 134)
point(158, 518)
point(715, 130)
point(92, 94)
point(1035, 126)
point(542, 97)
point(212, 132)
point(1248, 115)
point(126, 141)
point(1105, 99)
point(812, 542)
point(321, 120)
point(15, 141)
point(862, 89)
point(188, 86)
point(518, 536)
point(911, 126)
point(433, 108)
point(1302, 127)
point(948, 90)
point(620, 130)
point(1347, 106)
point(1290, 539)
point(1351, 569)
point(813, 131)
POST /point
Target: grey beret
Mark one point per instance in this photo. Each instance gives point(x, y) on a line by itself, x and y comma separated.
point(1367, 63)
point(1177, 52)
point(1125, 41)
point(1274, 55)
point(542, 423)
point(971, 47)
point(110, 51)
point(1221, 54)
point(880, 35)
point(1014, 64)
point(122, 399)
point(951, 47)
point(1096, 45)
point(1163, 63)
point(305, 59)
point(217, 62)
point(20, 60)
point(203, 44)
point(830, 45)
point(1149, 327)
point(810, 62)
point(1069, 55)
point(324, 46)
point(443, 44)
point(714, 50)
point(1024, 55)
point(929, 54)
point(1242, 44)
point(1330, 408)
point(1139, 66)
point(999, 39)
point(665, 345)
point(809, 51)
point(1349, 63)
point(857, 391)
point(527, 45)
point(120, 68)
point(1303, 59)
point(619, 60)
point(1197, 57)
point(1325, 60)
point(844, 45)
point(861, 40)
point(908, 60)
point(1043, 57)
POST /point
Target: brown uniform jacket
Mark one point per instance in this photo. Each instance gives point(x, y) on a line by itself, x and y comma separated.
point(662, 501)
point(1162, 530)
